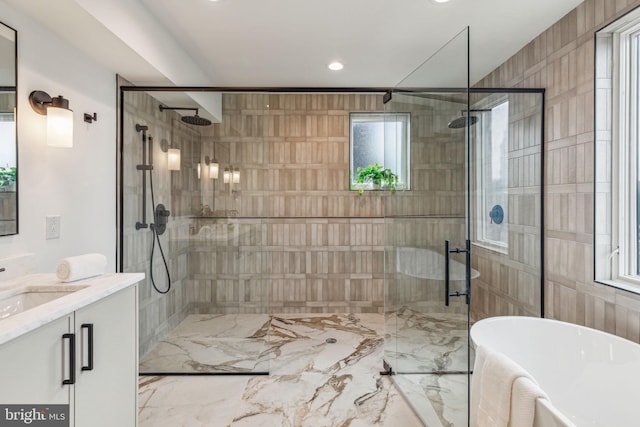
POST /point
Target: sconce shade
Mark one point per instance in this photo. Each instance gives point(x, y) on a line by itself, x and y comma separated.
point(173, 159)
point(199, 169)
point(59, 127)
point(226, 176)
point(236, 176)
point(214, 168)
point(59, 117)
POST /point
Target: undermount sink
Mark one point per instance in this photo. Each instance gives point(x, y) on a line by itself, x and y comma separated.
point(18, 300)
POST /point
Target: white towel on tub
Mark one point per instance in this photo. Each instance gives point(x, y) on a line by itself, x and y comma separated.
point(494, 391)
point(81, 267)
point(524, 395)
point(481, 355)
point(548, 416)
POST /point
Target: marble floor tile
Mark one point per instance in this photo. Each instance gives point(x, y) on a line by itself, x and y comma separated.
point(211, 344)
point(319, 365)
point(188, 401)
point(427, 342)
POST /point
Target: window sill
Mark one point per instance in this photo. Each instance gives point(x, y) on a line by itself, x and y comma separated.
point(623, 285)
point(494, 248)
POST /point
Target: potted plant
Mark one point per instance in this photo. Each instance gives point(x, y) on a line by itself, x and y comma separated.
point(7, 178)
point(375, 176)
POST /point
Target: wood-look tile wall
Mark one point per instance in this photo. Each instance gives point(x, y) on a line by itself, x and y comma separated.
point(293, 237)
point(510, 283)
point(158, 313)
point(561, 59)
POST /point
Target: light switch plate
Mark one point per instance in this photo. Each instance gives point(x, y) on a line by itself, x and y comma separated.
point(53, 226)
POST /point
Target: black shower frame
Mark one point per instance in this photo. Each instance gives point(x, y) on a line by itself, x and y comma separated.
point(387, 94)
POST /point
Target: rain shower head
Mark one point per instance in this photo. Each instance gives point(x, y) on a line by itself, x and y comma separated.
point(195, 120)
point(461, 122)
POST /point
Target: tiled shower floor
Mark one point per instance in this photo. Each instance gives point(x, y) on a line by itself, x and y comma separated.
point(311, 382)
point(212, 343)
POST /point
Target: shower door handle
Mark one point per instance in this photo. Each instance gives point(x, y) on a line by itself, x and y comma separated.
point(447, 284)
point(447, 278)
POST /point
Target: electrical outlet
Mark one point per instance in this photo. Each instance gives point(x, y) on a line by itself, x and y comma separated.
point(53, 226)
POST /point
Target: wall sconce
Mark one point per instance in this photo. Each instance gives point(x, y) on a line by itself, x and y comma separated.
point(226, 176)
point(236, 176)
point(173, 155)
point(214, 167)
point(198, 170)
point(59, 117)
point(173, 159)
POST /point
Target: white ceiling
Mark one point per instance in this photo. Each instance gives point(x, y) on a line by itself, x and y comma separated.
point(288, 43)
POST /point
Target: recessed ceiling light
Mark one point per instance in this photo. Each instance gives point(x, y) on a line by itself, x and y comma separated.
point(440, 1)
point(336, 66)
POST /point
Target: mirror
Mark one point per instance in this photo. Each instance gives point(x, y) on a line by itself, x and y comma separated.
point(8, 134)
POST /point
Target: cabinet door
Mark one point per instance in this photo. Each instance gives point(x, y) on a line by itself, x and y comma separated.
point(33, 366)
point(106, 395)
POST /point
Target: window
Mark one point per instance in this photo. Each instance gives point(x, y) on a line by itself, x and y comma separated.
point(491, 141)
point(383, 139)
point(617, 188)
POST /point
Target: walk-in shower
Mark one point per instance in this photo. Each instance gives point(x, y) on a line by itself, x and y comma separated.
point(282, 233)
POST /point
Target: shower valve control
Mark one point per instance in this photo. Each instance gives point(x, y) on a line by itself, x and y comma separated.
point(161, 219)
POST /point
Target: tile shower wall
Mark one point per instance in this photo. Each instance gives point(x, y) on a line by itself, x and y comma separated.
point(509, 283)
point(176, 189)
point(433, 211)
point(290, 233)
point(291, 230)
point(562, 60)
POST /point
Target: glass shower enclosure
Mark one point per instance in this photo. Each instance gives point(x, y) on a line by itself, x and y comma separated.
point(216, 216)
point(427, 252)
point(465, 242)
point(193, 201)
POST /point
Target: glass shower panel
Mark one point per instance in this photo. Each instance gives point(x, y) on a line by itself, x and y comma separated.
point(506, 202)
point(214, 318)
point(426, 337)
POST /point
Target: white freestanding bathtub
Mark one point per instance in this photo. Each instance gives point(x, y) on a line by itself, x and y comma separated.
point(591, 377)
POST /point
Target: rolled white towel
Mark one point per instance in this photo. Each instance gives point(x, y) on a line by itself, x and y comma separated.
point(81, 267)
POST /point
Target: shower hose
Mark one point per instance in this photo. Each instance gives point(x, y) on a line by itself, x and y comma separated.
point(156, 236)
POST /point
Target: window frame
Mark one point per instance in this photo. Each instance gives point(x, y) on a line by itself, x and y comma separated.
point(625, 144)
point(617, 86)
point(482, 211)
point(404, 172)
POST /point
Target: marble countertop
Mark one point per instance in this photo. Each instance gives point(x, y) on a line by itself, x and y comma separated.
point(95, 288)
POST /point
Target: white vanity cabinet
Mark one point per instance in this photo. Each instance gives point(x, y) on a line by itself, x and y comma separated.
point(106, 364)
point(35, 368)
